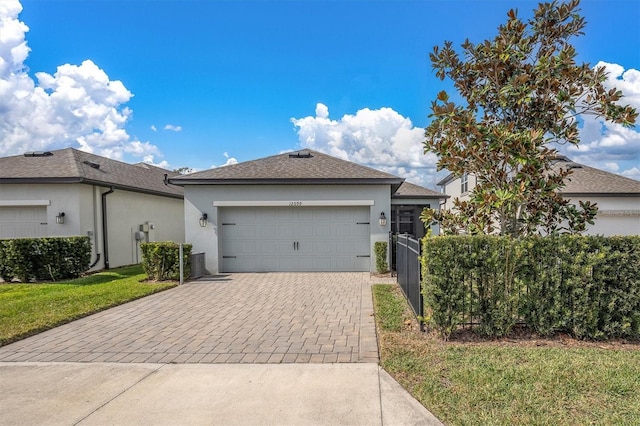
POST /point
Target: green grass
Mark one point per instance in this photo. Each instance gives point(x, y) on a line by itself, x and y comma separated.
point(497, 384)
point(27, 309)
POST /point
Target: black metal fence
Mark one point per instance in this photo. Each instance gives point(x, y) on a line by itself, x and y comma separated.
point(409, 272)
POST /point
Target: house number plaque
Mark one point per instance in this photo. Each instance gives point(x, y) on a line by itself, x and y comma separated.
point(295, 203)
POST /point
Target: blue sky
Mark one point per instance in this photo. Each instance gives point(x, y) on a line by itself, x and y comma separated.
point(204, 83)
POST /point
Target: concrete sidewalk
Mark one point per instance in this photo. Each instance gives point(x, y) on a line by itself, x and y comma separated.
point(194, 394)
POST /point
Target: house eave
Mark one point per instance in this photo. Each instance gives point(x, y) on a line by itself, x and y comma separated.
point(450, 177)
point(313, 181)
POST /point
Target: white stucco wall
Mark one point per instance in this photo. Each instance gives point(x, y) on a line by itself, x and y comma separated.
point(616, 215)
point(454, 189)
point(126, 211)
point(200, 198)
point(81, 204)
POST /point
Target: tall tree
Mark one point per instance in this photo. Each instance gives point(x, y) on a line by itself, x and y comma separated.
point(524, 95)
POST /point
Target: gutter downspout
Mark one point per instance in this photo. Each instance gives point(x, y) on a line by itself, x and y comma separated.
point(105, 239)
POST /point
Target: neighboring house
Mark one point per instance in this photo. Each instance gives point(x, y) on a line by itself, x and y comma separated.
point(299, 211)
point(618, 197)
point(69, 192)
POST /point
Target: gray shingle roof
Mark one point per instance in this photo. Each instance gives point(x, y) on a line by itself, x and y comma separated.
point(410, 190)
point(589, 180)
point(72, 166)
point(586, 180)
point(305, 167)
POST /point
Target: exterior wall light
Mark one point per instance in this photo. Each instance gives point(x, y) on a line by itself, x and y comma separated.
point(60, 218)
point(382, 220)
point(203, 220)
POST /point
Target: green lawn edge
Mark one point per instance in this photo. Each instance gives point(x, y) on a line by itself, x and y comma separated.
point(465, 384)
point(30, 309)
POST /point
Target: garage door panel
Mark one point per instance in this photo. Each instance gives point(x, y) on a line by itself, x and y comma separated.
point(23, 222)
point(295, 239)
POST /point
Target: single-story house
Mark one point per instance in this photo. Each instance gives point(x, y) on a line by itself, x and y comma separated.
point(298, 211)
point(68, 192)
point(618, 197)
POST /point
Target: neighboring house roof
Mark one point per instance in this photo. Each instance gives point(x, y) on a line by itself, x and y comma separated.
point(300, 167)
point(588, 180)
point(410, 190)
point(448, 178)
point(72, 166)
point(585, 180)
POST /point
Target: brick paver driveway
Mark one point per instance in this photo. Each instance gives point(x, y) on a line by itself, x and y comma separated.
point(238, 318)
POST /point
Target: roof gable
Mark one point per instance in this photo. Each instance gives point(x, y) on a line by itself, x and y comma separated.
point(304, 166)
point(72, 166)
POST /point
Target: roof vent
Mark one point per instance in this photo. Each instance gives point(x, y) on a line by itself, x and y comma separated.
point(38, 154)
point(91, 164)
point(300, 154)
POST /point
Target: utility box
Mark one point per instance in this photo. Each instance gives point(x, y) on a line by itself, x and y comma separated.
point(197, 265)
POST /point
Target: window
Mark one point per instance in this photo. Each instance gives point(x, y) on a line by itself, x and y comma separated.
point(464, 183)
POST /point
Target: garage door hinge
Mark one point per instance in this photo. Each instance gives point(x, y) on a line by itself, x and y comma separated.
point(363, 255)
point(228, 257)
point(363, 223)
point(228, 223)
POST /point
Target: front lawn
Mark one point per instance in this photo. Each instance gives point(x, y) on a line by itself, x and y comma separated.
point(27, 309)
point(506, 383)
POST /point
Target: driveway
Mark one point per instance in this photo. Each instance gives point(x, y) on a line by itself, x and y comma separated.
point(238, 318)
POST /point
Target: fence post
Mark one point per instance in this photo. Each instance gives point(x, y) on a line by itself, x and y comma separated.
point(181, 265)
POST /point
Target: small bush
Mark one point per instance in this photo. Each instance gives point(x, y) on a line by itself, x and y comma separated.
point(52, 258)
point(161, 260)
point(380, 248)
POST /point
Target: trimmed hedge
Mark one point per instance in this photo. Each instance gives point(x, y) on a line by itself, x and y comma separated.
point(380, 248)
point(52, 258)
point(588, 286)
point(161, 260)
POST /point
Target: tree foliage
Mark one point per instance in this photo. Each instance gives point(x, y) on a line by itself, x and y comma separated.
point(524, 95)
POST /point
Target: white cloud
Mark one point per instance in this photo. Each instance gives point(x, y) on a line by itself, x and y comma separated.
point(611, 146)
point(154, 128)
point(173, 128)
point(382, 139)
point(78, 105)
point(633, 173)
point(612, 167)
point(230, 161)
point(149, 159)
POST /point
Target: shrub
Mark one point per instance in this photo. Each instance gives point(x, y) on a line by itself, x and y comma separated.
point(53, 258)
point(161, 260)
point(588, 286)
point(380, 248)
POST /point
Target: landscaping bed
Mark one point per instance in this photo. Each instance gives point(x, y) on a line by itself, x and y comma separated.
point(519, 379)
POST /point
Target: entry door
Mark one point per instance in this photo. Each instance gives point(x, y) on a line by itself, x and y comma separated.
point(262, 239)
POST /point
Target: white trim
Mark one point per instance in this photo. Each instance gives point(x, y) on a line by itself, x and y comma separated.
point(21, 203)
point(619, 212)
point(293, 203)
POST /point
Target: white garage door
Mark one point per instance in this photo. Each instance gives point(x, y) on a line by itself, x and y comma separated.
point(269, 239)
point(21, 222)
